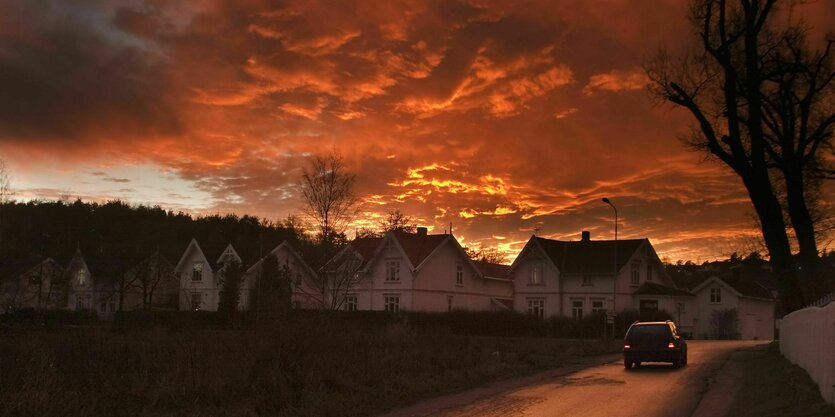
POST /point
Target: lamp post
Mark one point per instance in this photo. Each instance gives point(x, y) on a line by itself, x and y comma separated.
point(615, 276)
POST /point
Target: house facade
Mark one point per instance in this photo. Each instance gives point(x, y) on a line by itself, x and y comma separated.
point(417, 272)
point(301, 276)
point(753, 303)
point(198, 289)
point(41, 286)
point(577, 278)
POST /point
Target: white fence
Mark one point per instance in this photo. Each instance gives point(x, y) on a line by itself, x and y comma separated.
point(807, 339)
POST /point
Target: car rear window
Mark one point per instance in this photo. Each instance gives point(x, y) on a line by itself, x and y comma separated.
point(649, 330)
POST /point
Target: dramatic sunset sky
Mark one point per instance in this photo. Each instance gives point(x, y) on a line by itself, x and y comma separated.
point(497, 116)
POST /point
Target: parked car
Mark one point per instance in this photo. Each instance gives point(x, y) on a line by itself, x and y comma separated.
point(654, 341)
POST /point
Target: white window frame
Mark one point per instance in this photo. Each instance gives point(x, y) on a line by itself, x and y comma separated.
point(392, 302)
point(536, 307)
point(715, 295)
point(598, 310)
point(536, 275)
point(588, 281)
point(459, 275)
point(351, 302)
point(577, 310)
point(197, 272)
point(635, 279)
point(393, 271)
point(198, 297)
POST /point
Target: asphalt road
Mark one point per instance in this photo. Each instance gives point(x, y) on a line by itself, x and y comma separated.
point(604, 390)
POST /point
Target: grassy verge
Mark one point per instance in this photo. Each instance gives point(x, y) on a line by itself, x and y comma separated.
point(304, 367)
point(773, 387)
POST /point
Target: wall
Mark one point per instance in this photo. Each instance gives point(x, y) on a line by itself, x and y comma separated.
point(549, 289)
point(807, 339)
point(756, 319)
point(704, 308)
point(207, 286)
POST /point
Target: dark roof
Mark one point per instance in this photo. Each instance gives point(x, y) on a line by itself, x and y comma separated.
point(590, 256)
point(492, 270)
point(744, 285)
point(366, 246)
point(651, 288)
point(418, 245)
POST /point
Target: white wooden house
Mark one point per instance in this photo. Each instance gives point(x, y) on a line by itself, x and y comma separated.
point(418, 272)
point(302, 277)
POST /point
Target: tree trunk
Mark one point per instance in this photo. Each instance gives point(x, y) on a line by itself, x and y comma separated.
point(801, 220)
point(776, 241)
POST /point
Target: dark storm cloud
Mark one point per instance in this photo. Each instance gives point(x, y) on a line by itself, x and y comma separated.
point(67, 73)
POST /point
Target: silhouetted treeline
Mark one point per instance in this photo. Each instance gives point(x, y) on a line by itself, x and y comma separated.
point(114, 236)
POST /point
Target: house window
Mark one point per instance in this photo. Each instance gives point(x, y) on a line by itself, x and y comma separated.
point(196, 301)
point(587, 281)
point(449, 303)
point(393, 271)
point(597, 307)
point(392, 303)
point(636, 273)
point(715, 295)
point(82, 277)
point(577, 309)
point(648, 306)
point(459, 275)
point(649, 272)
point(536, 275)
point(197, 271)
point(351, 303)
point(536, 307)
point(79, 304)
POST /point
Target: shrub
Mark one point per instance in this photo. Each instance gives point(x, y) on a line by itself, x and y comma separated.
point(724, 324)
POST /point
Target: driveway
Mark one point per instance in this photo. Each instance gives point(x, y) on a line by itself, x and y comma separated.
point(602, 390)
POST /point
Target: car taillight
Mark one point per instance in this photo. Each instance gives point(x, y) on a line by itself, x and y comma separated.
point(627, 347)
point(671, 345)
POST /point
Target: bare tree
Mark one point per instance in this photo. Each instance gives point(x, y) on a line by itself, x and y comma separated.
point(396, 220)
point(330, 201)
point(5, 191)
point(723, 85)
point(492, 255)
point(151, 276)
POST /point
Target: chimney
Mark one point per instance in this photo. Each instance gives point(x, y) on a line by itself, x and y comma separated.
point(421, 231)
point(586, 236)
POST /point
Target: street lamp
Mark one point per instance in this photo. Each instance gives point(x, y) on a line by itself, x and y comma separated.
point(615, 276)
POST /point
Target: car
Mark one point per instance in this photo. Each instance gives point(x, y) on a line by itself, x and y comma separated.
point(654, 341)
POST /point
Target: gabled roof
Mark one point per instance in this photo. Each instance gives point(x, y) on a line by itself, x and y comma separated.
point(292, 251)
point(743, 287)
point(491, 270)
point(651, 288)
point(418, 246)
point(590, 256)
point(192, 245)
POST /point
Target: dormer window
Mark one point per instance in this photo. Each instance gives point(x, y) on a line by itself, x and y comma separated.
point(82, 277)
point(587, 282)
point(459, 275)
point(197, 271)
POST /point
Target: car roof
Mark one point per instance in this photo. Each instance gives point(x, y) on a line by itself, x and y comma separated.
point(644, 323)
